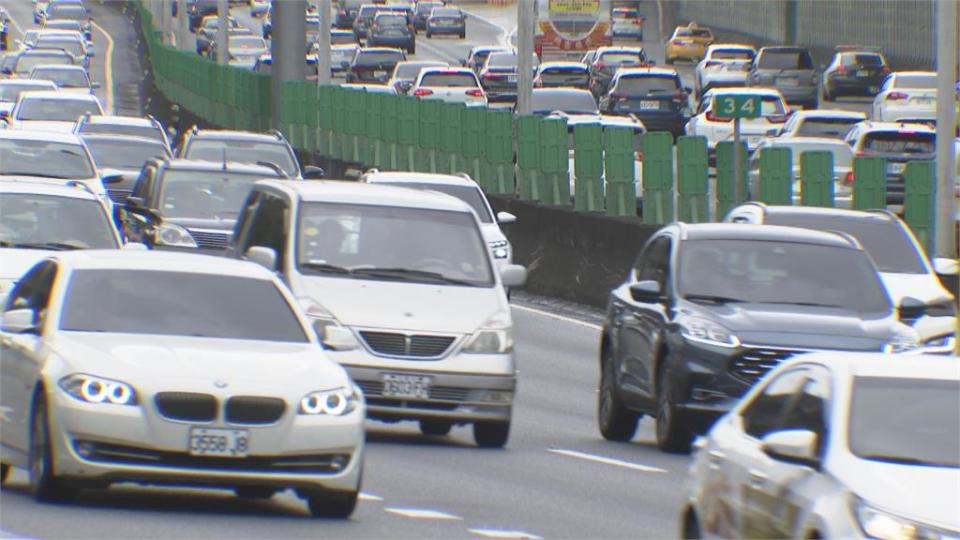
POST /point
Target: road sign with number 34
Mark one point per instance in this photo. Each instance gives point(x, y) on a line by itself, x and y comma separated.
point(737, 106)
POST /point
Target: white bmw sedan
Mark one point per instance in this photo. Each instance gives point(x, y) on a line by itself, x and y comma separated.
point(834, 445)
point(159, 367)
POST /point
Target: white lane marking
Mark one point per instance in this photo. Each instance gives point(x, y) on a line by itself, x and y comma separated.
point(440, 53)
point(503, 38)
point(370, 497)
point(504, 534)
point(606, 460)
point(416, 513)
point(108, 69)
point(557, 317)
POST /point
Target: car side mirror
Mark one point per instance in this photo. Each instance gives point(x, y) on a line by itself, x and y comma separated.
point(111, 179)
point(4, 115)
point(946, 267)
point(797, 446)
point(134, 203)
point(19, 321)
point(338, 338)
point(647, 291)
point(95, 85)
point(264, 256)
point(910, 308)
point(313, 173)
point(506, 218)
point(513, 275)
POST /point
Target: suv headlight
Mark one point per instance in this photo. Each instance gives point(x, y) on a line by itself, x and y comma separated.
point(494, 337)
point(337, 402)
point(320, 317)
point(903, 343)
point(706, 331)
point(169, 234)
point(500, 249)
point(885, 526)
point(93, 389)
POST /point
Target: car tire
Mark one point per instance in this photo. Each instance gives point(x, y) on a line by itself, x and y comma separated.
point(669, 61)
point(491, 434)
point(254, 492)
point(429, 34)
point(332, 505)
point(616, 422)
point(412, 49)
point(463, 35)
point(672, 435)
point(436, 428)
point(44, 484)
point(4, 472)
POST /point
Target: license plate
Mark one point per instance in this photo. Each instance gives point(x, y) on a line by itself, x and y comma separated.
point(406, 386)
point(649, 104)
point(380, 74)
point(896, 168)
point(863, 73)
point(788, 81)
point(219, 442)
point(511, 78)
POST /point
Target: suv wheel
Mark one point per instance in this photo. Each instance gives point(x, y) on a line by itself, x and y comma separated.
point(491, 434)
point(4, 472)
point(44, 485)
point(672, 436)
point(617, 423)
point(429, 34)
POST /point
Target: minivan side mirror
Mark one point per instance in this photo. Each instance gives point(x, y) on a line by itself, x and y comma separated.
point(910, 308)
point(19, 321)
point(506, 218)
point(647, 291)
point(264, 256)
point(338, 338)
point(946, 267)
point(793, 446)
point(313, 173)
point(513, 275)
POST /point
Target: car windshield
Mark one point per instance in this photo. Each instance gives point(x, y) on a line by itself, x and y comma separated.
point(916, 81)
point(835, 128)
point(65, 78)
point(369, 58)
point(342, 38)
point(565, 76)
point(619, 58)
point(246, 42)
point(885, 241)
point(896, 142)
point(468, 194)
point(449, 13)
point(568, 102)
point(241, 151)
point(27, 62)
point(148, 132)
point(204, 194)
point(124, 153)
point(922, 429)
point(771, 272)
point(56, 110)
point(449, 79)
point(785, 60)
point(31, 219)
point(862, 60)
point(731, 54)
point(694, 33)
point(648, 84)
point(179, 304)
point(71, 46)
point(44, 158)
point(410, 70)
point(392, 243)
point(10, 91)
point(70, 12)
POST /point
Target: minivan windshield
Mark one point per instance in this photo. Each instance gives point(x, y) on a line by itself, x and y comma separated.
point(124, 153)
point(180, 304)
point(468, 194)
point(773, 272)
point(40, 221)
point(392, 243)
point(204, 194)
point(241, 151)
point(26, 157)
point(56, 110)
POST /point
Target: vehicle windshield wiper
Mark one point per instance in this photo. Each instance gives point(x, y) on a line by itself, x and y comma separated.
point(32, 173)
point(325, 267)
point(712, 298)
point(812, 304)
point(403, 273)
point(904, 459)
point(53, 246)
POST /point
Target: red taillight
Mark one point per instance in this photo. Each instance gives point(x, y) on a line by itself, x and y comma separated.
point(423, 92)
point(778, 118)
point(489, 75)
point(637, 22)
point(894, 96)
point(714, 118)
point(475, 92)
point(841, 70)
point(680, 96)
point(849, 178)
point(885, 70)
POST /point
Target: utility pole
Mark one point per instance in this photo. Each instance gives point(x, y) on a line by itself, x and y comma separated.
point(288, 48)
point(323, 54)
point(946, 12)
point(223, 15)
point(525, 31)
point(183, 26)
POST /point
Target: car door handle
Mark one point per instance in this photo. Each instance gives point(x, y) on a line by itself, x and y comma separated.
point(757, 478)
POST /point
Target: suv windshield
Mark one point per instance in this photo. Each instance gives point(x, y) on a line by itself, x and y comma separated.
point(370, 58)
point(835, 128)
point(123, 153)
point(64, 78)
point(392, 243)
point(568, 102)
point(770, 272)
point(468, 194)
point(44, 158)
point(181, 304)
point(923, 429)
point(56, 110)
point(240, 151)
point(449, 79)
point(895, 142)
point(10, 92)
point(648, 84)
point(36, 220)
point(785, 60)
point(204, 194)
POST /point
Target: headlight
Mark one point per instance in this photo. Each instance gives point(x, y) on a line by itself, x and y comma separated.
point(941, 344)
point(902, 344)
point(495, 336)
point(98, 390)
point(500, 249)
point(331, 402)
point(319, 317)
point(884, 526)
point(706, 331)
point(169, 234)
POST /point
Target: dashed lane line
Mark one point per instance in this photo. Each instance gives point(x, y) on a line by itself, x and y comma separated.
point(504, 534)
point(421, 513)
point(370, 497)
point(606, 460)
point(108, 69)
point(556, 317)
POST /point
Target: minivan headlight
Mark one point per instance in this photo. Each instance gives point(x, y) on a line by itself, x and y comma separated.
point(901, 344)
point(92, 389)
point(706, 331)
point(494, 337)
point(337, 402)
point(500, 249)
point(940, 344)
point(885, 526)
point(169, 234)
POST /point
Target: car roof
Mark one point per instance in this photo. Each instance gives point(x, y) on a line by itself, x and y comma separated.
point(46, 136)
point(118, 120)
point(871, 125)
point(820, 211)
point(734, 231)
point(164, 261)
point(563, 64)
point(736, 46)
point(652, 71)
point(829, 113)
point(234, 135)
point(405, 177)
point(66, 96)
point(45, 188)
point(231, 166)
point(863, 364)
point(362, 193)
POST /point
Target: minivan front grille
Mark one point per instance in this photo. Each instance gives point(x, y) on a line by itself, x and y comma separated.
point(254, 410)
point(753, 364)
point(413, 346)
point(186, 406)
point(210, 239)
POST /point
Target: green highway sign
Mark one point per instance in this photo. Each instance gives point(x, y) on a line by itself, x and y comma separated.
point(737, 106)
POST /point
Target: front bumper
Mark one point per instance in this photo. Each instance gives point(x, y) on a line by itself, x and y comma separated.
point(100, 444)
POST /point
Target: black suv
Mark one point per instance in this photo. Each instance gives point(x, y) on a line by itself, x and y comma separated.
point(269, 148)
point(655, 96)
point(179, 203)
point(391, 30)
point(707, 310)
point(374, 65)
point(858, 72)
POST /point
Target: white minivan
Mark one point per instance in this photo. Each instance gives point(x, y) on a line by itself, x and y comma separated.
point(402, 291)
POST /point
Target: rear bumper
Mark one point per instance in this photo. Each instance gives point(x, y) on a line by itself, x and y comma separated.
point(801, 94)
point(446, 29)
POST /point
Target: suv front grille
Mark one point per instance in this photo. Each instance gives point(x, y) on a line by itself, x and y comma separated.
point(210, 239)
point(415, 346)
point(186, 406)
point(119, 196)
point(254, 410)
point(753, 364)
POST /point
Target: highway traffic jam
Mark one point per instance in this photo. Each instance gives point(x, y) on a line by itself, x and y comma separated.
point(205, 333)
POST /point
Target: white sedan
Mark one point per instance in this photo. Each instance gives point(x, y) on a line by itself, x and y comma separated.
point(773, 114)
point(449, 84)
point(834, 445)
point(906, 94)
point(161, 367)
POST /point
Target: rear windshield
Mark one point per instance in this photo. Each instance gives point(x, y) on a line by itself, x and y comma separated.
point(446, 12)
point(449, 79)
point(384, 57)
point(835, 128)
point(785, 60)
point(622, 58)
point(731, 54)
point(652, 84)
point(915, 81)
point(894, 142)
point(423, 8)
point(565, 76)
point(391, 21)
point(621, 13)
point(694, 32)
point(865, 60)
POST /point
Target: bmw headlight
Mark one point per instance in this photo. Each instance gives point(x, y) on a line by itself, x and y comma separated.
point(494, 337)
point(885, 526)
point(500, 249)
point(706, 331)
point(94, 389)
point(903, 343)
point(337, 402)
point(169, 234)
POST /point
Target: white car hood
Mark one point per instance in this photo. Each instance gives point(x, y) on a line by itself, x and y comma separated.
point(393, 305)
point(926, 494)
point(923, 287)
point(14, 262)
point(43, 125)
